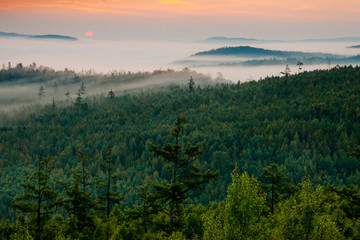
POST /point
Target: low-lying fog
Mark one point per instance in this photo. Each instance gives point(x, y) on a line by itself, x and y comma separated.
point(105, 56)
point(62, 87)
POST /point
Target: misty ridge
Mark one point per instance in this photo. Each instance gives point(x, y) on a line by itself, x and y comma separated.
point(253, 56)
point(32, 85)
point(46, 36)
point(139, 56)
point(237, 40)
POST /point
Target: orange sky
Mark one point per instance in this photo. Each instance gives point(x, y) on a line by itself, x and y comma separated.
point(174, 19)
point(267, 9)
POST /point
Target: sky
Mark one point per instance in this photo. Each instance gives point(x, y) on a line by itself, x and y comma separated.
point(178, 20)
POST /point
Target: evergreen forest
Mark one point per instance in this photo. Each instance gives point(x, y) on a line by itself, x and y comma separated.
point(276, 158)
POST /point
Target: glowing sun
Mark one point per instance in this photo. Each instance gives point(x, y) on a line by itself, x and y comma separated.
point(89, 34)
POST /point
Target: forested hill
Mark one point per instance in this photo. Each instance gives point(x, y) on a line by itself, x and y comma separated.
point(355, 46)
point(305, 122)
point(247, 51)
point(263, 57)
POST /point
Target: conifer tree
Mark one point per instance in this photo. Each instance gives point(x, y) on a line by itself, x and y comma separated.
point(274, 186)
point(112, 195)
point(41, 92)
point(82, 88)
point(191, 84)
point(111, 94)
point(78, 100)
point(146, 212)
point(186, 180)
point(53, 105)
point(40, 198)
point(300, 64)
point(287, 71)
point(78, 201)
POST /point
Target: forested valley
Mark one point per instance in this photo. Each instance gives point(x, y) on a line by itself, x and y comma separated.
point(276, 158)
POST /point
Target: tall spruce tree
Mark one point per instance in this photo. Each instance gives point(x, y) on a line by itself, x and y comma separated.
point(112, 194)
point(82, 88)
point(78, 100)
point(40, 198)
point(274, 186)
point(78, 201)
point(186, 180)
point(41, 92)
point(191, 84)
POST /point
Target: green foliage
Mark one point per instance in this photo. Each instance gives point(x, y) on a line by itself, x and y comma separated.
point(239, 218)
point(40, 197)
point(145, 213)
point(274, 186)
point(311, 213)
point(126, 231)
point(21, 229)
point(308, 215)
point(355, 153)
point(244, 205)
point(6, 230)
point(54, 228)
point(215, 224)
point(185, 179)
point(193, 227)
point(110, 195)
point(71, 230)
point(78, 201)
point(191, 84)
point(349, 210)
point(306, 123)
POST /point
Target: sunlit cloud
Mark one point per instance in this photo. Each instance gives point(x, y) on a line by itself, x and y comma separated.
point(350, 10)
point(173, 2)
point(304, 7)
point(109, 11)
point(263, 9)
point(76, 7)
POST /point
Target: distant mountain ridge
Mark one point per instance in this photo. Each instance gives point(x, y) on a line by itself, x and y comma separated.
point(247, 51)
point(221, 39)
point(251, 56)
point(47, 36)
point(356, 46)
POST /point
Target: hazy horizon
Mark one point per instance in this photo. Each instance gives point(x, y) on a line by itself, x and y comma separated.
point(147, 35)
point(104, 56)
point(182, 20)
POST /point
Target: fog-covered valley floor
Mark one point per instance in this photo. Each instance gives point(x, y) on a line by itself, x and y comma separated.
point(104, 65)
point(104, 56)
